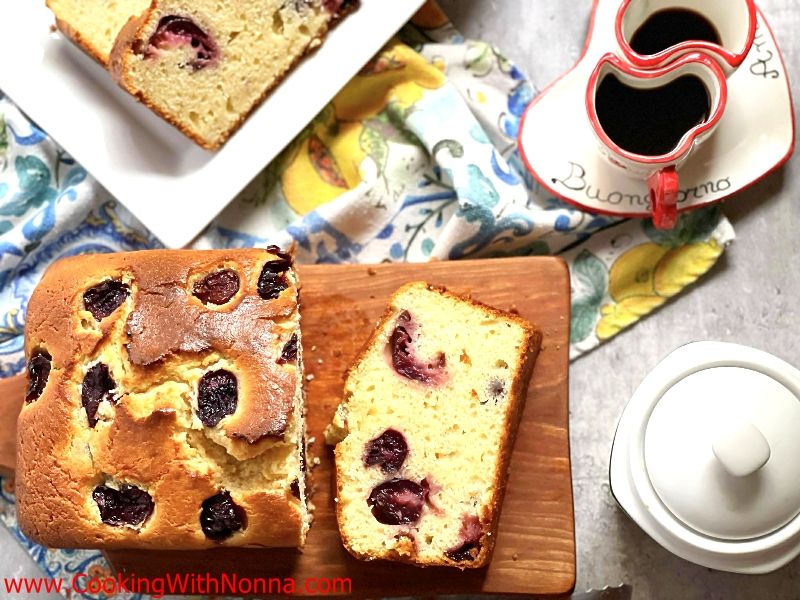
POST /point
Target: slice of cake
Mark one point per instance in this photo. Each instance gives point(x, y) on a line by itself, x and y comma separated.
point(205, 65)
point(95, 24)
point(426, 429)
point(165, 403)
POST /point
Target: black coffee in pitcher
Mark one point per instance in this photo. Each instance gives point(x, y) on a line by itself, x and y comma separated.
point(666, 28)
point(651, 121)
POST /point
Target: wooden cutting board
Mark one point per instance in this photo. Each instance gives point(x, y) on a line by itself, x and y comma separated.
point(535, 552)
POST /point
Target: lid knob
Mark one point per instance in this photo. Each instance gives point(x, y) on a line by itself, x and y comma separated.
point(741, 448)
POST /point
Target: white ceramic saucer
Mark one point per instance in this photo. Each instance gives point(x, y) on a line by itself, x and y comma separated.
point(755, 136)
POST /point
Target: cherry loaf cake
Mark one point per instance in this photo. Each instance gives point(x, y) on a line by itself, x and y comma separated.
point(426, 429)
point(165, 403)
point(95, 24)
point(204, 65)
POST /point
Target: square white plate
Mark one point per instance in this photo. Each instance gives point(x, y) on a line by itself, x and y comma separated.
point(173, 186)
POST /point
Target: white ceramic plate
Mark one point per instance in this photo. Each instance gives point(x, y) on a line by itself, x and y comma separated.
point(174, 187)
point(755, 135)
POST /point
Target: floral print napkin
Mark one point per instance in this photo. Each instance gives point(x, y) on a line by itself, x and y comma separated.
point(414, 160)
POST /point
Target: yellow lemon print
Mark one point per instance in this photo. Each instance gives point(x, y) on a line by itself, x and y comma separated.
point(398, 74)
point(616, 317)
point(326, 160)
point(682, 266)
point(322, 166)
point(633, 273)
point(644, 278)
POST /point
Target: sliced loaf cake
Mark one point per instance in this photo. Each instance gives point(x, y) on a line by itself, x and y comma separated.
point(426, 429)
point(205, 65)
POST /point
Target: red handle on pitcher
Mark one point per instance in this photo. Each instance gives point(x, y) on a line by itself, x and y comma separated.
point(664, 188)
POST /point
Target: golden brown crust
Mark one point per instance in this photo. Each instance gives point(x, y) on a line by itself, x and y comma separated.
point(345, 10)
point(135, 32)
point(58, 468)
point(168, 320)
point(518, 394)
point(125, 38)
point(82, 42)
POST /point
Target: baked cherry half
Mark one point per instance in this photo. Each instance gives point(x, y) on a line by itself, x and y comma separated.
point(295, 485)
point(174, 31)
point(217, 288)
point(103, 299)
point(289, 352)
point(128, 505)
point(221, 517)
point(389, 451)
point(340, 6)
point(404, 358)
point(471, 534)
point(273, 280)
point(217, 397)
point(38, 373)
point(97, 386)
point(398, 502)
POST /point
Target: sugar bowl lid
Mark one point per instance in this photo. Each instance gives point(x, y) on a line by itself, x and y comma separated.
point(706, 458)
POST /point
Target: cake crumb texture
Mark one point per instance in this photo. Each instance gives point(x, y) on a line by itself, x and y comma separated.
point(426, 428)
point(204, 65)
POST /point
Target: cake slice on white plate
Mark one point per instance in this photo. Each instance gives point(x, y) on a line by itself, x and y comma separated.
point(204, 66)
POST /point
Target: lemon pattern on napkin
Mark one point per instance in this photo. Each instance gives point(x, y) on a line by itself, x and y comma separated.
point(325, 160)
point(641, 275)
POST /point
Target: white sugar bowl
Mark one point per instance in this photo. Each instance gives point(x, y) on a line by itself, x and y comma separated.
point(706, 458)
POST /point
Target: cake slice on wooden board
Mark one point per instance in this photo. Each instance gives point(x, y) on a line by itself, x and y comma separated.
point(165, 403)
point(204, 65)
point(426, 429)
point(95, 24)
